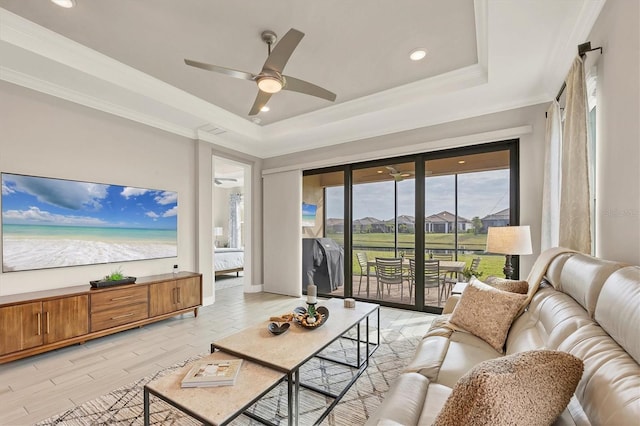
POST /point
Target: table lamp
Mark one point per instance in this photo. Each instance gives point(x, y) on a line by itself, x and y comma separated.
point(509, 240)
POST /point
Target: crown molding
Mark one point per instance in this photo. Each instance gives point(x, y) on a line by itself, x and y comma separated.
point(482, 32)
point(562, 55)
point(33, 38)
point(459, 79)
point(49, 88)
point(432, 145)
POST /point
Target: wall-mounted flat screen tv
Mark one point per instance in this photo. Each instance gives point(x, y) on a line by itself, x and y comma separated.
point(52, 223)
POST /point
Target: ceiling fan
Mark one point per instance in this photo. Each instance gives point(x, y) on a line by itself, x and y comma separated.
point(398, 175)
point(220, 181)
point(271, 80)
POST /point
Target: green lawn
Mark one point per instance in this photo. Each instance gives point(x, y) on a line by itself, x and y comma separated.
point(489, 265)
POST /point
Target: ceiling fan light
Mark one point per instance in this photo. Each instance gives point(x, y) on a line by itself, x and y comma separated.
point(67, 4)
point(270, 84)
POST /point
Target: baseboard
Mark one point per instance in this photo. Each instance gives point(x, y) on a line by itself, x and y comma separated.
point(253, 288)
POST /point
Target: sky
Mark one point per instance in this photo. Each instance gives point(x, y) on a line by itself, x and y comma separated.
point(30, 200)
point(479, 194)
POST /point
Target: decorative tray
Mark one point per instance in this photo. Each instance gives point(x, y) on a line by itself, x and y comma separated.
point(302, 315)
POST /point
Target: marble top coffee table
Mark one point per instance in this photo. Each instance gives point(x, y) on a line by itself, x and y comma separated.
point(286, 353)
point(214, 405)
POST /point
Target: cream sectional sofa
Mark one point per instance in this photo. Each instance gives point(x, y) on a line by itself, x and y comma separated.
point(578, 304)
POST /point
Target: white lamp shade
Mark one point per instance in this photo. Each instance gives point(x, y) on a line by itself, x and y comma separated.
point(218, 230)
point(509, 240)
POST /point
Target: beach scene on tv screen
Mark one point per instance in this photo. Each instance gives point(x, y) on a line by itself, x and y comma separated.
point(51, 223)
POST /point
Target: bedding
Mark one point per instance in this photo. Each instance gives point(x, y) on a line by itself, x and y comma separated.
point(227, 260)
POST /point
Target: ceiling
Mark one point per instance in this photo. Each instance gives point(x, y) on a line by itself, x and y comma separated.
point(228, 173)
point(126, 57)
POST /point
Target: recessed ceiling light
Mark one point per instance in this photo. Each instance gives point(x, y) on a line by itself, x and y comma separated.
point(380, 171)
point(461, 162)
point(405, 174)
point(418, 54)
point(265, 109)
point(67, 4)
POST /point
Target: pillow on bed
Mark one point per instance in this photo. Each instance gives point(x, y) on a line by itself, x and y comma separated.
point(526, 388)
point(487, 312)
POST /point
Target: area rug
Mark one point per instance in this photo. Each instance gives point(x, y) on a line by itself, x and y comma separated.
point(124, 406)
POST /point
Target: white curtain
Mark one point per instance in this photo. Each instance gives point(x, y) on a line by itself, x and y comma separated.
point(551, 185)
point(235, 205)
point(575, 215)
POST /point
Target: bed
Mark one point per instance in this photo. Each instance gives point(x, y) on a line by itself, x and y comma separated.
point(228, 260)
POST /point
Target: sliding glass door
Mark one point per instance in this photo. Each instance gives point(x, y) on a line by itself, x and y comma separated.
point(464, 195)
point(383, 227)
point(410, 212)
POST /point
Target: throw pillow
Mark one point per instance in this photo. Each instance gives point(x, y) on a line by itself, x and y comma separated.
point(526, 388)
point(514, 286)
point(487, 312)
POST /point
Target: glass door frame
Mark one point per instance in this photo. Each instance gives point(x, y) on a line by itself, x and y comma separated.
point(419, 160)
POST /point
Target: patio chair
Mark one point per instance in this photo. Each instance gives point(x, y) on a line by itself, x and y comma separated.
point(475, 262)
point(442, 256)
point(362, 261)
point(432, 277)
point(389, 272)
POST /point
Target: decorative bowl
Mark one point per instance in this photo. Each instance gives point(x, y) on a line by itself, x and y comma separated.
point(278, 329)
point(303, 315)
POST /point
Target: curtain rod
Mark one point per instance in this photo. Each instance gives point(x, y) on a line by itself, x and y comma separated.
point(583, 49)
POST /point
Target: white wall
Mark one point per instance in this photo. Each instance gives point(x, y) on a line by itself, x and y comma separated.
point(618, 135)
point(283, 233)
point(203, 235)
point(45, 136)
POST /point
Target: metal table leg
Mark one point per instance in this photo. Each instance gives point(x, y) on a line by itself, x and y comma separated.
point(146, 406)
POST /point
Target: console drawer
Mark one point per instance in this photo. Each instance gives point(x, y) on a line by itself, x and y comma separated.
point(119, 315)
point(110, 299)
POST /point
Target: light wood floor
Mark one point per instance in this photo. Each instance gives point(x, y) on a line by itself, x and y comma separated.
point(38, 387)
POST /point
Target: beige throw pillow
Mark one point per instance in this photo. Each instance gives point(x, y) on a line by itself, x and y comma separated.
point(514, 286)
point(487, 312)
point(528, 388)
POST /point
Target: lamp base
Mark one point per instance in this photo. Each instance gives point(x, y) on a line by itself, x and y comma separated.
point(508, 269)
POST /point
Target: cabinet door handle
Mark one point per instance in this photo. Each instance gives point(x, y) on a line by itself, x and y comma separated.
point(39, 319)
point(47, 316)
point(121, 298)
point(179, 301)
point(122, 316)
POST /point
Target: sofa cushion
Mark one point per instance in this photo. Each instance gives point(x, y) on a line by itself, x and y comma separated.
point(464, 352)
point(582, 278)
point(618, 309)
point(609, 390)
point(403, 402)
point(487, 312)
point(541, 381)
point(551, 317)
point(428, 357)
point(504, 284)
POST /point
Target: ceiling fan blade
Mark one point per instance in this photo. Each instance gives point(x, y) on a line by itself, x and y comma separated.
point(261, 100)
point(301, 86)
point(282, 51)
point(227, 71)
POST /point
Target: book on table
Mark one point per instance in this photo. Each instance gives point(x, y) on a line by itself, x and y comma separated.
point(212, 373)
